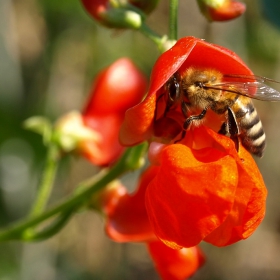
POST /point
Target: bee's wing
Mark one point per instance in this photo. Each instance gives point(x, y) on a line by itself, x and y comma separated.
point(256, 90)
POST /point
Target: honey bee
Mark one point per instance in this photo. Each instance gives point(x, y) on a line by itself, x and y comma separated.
point(199, 91)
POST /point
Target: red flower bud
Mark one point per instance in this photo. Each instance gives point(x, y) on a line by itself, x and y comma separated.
point(117, 88)
point(221, 10)
point(115, 16)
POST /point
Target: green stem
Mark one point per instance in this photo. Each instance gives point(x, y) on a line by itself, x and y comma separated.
point(173, 20)
point(22, 229)
point(47, 181)
point(50, 230)
point(131, 160)
point(163, 43)
point(152, 35)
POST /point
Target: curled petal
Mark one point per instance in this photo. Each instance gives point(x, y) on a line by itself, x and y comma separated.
point(137, 126)
point(175, 264)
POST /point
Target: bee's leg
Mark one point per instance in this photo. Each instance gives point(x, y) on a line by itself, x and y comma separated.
point(189, 120)
point(224, 129)
point(233, 128)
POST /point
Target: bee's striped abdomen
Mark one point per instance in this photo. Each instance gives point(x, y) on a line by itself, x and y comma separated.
point(249, 124)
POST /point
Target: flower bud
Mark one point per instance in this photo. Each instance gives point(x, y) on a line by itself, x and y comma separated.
point(221, 10)
point(117, 88)
point(117, 16)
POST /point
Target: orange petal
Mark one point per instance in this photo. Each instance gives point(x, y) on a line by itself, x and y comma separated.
point(249, 206)
point(188, 199)
point(138, 123)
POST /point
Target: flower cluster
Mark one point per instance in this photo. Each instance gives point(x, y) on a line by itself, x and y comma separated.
point(199, 187)
point(199, 125)
point(204, 188)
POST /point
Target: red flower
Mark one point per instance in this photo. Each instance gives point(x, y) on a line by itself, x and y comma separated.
point(175, 264)
point(187, 52)
point(117, 88)
point(217, 10)
point(204, 189)
point(127, 221)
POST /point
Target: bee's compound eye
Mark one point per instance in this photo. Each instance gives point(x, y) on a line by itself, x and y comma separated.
point(174, 90)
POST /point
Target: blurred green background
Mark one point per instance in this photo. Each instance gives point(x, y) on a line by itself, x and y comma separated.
point(49, 53)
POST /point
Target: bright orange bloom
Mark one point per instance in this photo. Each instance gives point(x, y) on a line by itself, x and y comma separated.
point(117, 88)
point(204, 189)
point(175, 264)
